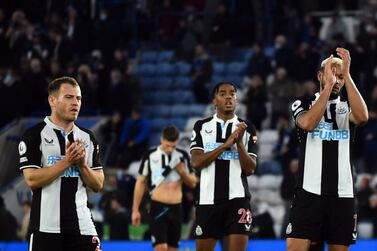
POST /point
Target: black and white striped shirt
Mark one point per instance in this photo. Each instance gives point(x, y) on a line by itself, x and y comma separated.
point(325, 159)
point(159, 167)
point(61, 206)
point(223, 179)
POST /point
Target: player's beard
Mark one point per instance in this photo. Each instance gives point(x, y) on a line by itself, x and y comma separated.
point(334, 95)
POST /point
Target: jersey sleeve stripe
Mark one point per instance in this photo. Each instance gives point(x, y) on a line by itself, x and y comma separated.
point(197, 148)
point(29, 166)
point(97, 168)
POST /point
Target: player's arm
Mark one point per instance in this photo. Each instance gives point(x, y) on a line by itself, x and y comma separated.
point(200, 159)
point(188, 178)
point(138, 196)
point(248, 163)
point(39, 177)
point(359, 110)
point(309, 120)
point(92, 178)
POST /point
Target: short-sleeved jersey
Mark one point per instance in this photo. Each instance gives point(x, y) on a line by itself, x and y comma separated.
point(223, 179)
point(325, 158)
point(61, 206)
point(159, 167)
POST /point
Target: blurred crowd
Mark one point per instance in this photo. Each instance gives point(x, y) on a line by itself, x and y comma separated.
point(100, 42)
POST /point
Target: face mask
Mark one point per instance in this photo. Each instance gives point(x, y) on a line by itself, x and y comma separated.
point(8, 80)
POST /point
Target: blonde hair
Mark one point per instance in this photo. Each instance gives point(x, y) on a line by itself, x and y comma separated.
point(335, 61)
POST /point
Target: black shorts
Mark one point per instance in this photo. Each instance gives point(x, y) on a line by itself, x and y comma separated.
point(318, 218)
point(230, 217)
point(165, 223)
point(61, 242)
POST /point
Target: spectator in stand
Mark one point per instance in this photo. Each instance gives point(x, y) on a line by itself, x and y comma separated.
point(133, 141)
point(23, 231)
point(89, 87)
point(283, 54)
point(120, 59)
point(337, 27)
point(55, 70)
point(373, 206)
point(190, 33)
point(78, 32)
point(61, 48)
point(258, 64)
point(118, 220)
point(36, 86)
point(220, 35)
point(8, 226)
point(110, 133)
point(201, 74)
point(11, 87)
point(305, 63)
point(281, 91)
point(369, 138)
point(134, 90)
point(255, 101)
point(115, 93)
point(111, 190)
point(363, 194)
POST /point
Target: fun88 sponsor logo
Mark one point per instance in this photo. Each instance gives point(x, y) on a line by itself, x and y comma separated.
point(72, 171)
point(227, 155)
point(324, 131)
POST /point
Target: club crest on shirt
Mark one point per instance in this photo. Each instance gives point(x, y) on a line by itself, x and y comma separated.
point(341, 110)
point(289, 229)
point(198, 230)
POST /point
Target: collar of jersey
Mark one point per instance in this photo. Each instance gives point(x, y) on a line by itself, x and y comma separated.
point(54, 126)
point(330, 100)
point(217, 119)
point(160, 149)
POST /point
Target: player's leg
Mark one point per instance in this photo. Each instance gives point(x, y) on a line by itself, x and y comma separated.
point(161, 247)
point(341, 223)
point(45, 242)
point(81, 243)
point(158, 225)
point(305, 221)
point(338, 248)
point(295, 244)
point(237, 242)
point(238, 220)
point(205, 244)
point(174, 225)
point(209, 226)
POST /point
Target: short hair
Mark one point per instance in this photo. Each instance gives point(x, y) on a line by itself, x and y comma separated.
point(217, 86)
point(335, 61)
point(55, 84)
point(170, 133)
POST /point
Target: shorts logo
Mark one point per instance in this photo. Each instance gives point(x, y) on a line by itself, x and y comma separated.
point(289, 229)
point(198, 230)
point(153, 239)
point(247, 227)
point(354, 236)
point(22, 148)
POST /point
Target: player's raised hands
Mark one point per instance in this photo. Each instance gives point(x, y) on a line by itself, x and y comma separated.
point(344, 54)
point(329, 72)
